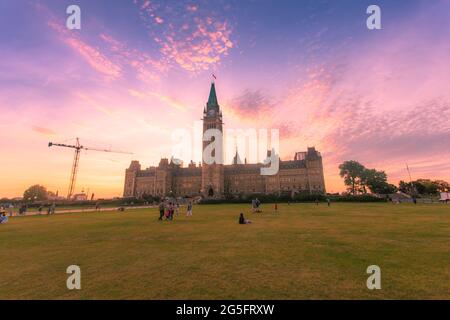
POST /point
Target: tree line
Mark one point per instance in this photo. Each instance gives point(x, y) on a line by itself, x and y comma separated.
point(359, 180)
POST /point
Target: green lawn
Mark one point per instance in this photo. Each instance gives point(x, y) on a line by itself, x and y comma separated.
point(303, 252)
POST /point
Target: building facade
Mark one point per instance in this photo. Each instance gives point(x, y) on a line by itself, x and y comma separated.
point(302, 174)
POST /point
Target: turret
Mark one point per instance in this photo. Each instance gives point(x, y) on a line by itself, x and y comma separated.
point(130, 179)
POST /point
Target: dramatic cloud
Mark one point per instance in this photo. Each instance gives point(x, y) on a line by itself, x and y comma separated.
point(133, 74)
point(147, 68)
point(376, 104)
point(188, 36)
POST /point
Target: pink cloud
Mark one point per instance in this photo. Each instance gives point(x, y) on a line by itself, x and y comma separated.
point(98, 61)
point(192, 8)
point(384, 103)
point(91, 55)
point(146, 67)
point(198, 44)
point(44, 131)
point(163, 98)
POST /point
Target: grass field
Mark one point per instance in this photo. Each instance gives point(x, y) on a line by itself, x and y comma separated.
point(302, 252)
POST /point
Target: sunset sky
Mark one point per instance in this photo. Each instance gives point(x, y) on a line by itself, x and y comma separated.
point(139, 69)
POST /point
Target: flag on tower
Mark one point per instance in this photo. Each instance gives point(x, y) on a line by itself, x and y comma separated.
point(214, 76)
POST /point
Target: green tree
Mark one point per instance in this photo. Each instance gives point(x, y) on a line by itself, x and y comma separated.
point(352, 171)
point(35, 193)
point(426, 186)
point(388, 188)
point(442, 186)
point(404, 186)
point(358, 178)
point(376, 181)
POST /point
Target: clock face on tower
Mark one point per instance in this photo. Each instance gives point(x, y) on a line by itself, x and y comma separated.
point(211, 112)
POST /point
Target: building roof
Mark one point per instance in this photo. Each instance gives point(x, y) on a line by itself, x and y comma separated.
point(236, 158)
point(212, 100)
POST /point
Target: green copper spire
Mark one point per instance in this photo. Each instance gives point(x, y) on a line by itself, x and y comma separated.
point(212, 100)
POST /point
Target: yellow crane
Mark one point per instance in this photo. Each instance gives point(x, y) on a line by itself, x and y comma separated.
point(78, 147)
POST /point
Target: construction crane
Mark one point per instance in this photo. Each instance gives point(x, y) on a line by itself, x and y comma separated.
point(76, 158)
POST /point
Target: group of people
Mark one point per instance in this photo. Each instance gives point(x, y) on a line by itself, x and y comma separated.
point(24, 208)
point(255, 209)
point(327, 200)
point(50, 209)
point(168, 209)
point(10, 209)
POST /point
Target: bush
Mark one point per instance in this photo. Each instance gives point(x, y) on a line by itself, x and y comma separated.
point(358, 198)
point(264, 198)
point(267, 198)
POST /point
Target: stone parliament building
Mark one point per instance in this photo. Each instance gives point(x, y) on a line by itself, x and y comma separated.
point(303, 174)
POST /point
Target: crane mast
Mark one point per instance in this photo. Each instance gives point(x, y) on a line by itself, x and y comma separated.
point(76, 158)
point(73, 175)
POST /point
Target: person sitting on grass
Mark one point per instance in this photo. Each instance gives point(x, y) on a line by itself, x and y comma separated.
point(3, 218)
point(242, 220)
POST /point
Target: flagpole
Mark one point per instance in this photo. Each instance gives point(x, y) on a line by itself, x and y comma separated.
point(409, 173)
point(413, 189)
